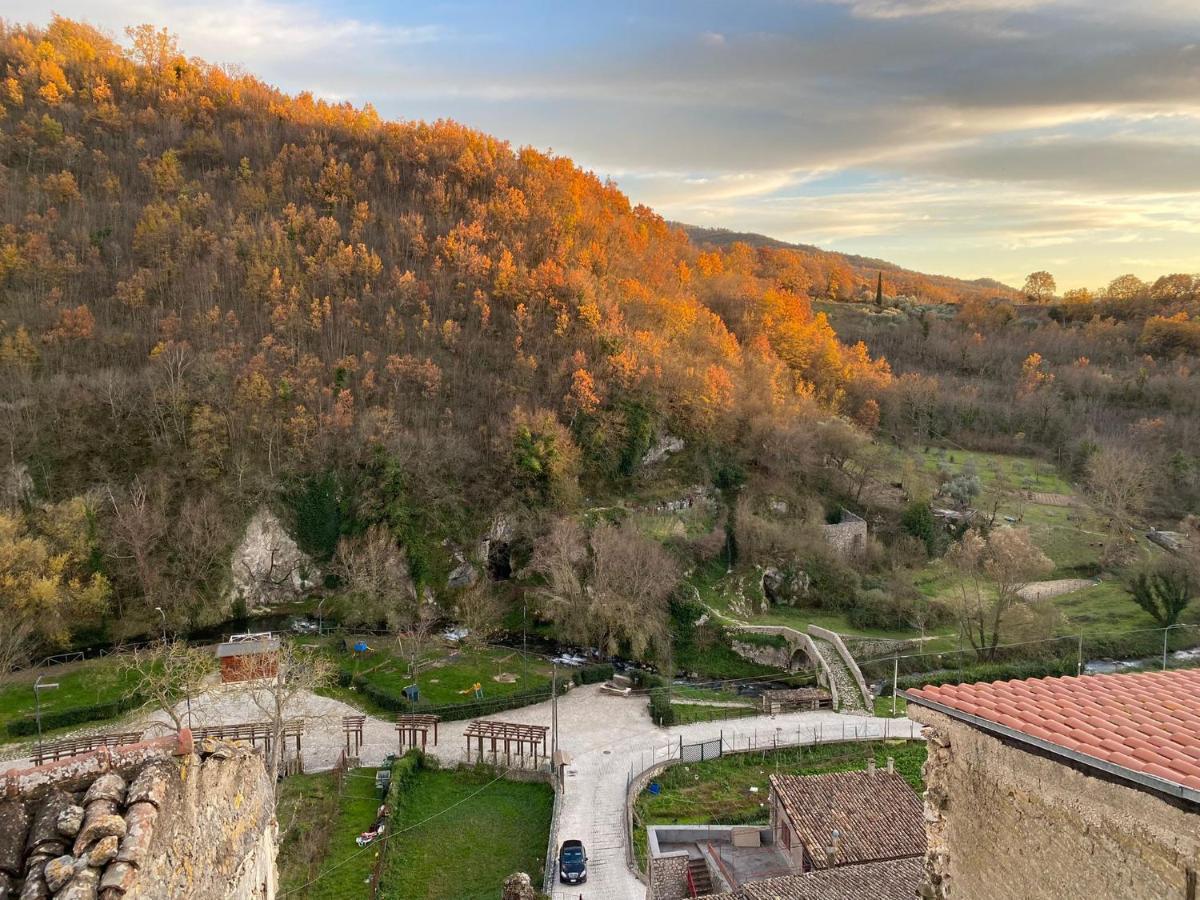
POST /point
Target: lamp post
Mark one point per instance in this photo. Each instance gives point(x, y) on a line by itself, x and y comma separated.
point(159, 610)
point(38, 687)
point(320, 616)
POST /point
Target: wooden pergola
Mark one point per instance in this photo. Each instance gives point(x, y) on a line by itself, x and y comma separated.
point(409, 724)
point(352, 728)
point(255, 732)
point(531, 736)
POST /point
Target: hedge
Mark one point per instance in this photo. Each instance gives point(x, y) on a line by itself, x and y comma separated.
point(661, 710)
point(988, 672)
point(449, 712)
point(76, 715)
point(593, 673)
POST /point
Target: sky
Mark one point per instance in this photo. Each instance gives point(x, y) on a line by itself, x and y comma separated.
point(975, 138)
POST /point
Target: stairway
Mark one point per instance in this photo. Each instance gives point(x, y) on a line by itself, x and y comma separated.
point(849, 696)
point(698, 878)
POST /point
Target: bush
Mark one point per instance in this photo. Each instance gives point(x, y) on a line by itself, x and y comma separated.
point(661, 711)
point(450, 712)
point(833, 583)
point(592, 674)
point(76, 715)
point(917, 521)
point(643, 679)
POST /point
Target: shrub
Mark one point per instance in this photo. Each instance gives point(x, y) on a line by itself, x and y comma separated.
point(917, 521)
point(989, 672)
point(76, 715)
point(592, 674)
point(661, 711)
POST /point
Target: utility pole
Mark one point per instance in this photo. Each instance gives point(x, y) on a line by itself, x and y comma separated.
point(1166, 632)
point(895, 681)
point(524, 641)
point(554, 713)
point(38, 687)
point(1079, 665)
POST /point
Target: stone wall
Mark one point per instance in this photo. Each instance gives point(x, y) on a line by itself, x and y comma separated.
point(849, 536)
point(668, 876)
point(775, 657)
point(1003, 822)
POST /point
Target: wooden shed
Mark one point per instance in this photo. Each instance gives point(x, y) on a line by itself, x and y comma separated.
point(248, 656)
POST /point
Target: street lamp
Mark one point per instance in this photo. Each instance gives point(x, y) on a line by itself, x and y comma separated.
point(159, 610)
point(38, 687)
point(320, 617)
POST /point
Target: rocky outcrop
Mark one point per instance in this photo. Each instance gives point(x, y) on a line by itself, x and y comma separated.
point(663, 447)
point(267, 566)
point(785, 587)
point(495, 550)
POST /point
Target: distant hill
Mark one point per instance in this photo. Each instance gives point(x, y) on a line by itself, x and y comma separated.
point(863, 266)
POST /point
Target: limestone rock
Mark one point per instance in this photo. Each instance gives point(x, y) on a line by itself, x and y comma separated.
point(463, 575)
point(69, 821)
point(663, 447)
point(784, 587)
point(268, 566)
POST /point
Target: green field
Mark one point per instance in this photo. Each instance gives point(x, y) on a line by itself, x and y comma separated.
point(79, 684)
point(318, 857)
point(719, 791)
point(459, 833)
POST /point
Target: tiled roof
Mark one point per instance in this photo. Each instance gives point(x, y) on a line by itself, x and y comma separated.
point(893, 879)
point(877, 815)
point(1144, 726)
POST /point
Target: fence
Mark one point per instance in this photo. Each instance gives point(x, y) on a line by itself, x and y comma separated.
point(654, 761)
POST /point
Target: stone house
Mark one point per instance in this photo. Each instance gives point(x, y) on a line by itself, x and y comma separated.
point(848, 535)
point(145, 821)
point(845, 818)
point(1075, 788)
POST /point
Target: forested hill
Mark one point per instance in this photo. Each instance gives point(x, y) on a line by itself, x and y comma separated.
point(213, 294)
point(865, 269)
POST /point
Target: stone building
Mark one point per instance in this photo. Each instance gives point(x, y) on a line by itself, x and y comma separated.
point(843, 818)
point(894, 879)
point(146, 821)
point(1077, 788)
point(848, 535)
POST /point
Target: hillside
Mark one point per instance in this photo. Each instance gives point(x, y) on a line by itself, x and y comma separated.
point(897, 280)
point(214, 296)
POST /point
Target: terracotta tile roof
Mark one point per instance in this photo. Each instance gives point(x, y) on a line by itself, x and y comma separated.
point(1144, 726)
point(877, 816)
point(893, 879)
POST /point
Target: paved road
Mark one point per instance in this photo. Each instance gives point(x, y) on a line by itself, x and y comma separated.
point(608, 737)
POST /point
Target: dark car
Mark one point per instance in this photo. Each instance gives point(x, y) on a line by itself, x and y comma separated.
point(572, 863)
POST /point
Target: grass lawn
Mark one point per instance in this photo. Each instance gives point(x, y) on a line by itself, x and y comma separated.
point(326, 827)
point(883, 706)
point(467, 835)
point(448, 673)
point(687, 713)
point(719, 791)
point(79, 684)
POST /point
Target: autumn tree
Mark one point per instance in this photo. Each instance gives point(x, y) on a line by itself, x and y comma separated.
point(994, 569)
point(1040, 287)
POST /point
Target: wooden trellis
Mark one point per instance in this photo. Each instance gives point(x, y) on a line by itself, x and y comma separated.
point(408, 727)
point(531, 737)
point(352, 728)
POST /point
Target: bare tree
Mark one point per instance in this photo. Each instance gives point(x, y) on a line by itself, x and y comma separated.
point(165, 673)
point(379, 586)
point(415, 637)
point(1119, 481)
point(17, 637)
point(995, 570)
point(277, 681)
point(479, 610)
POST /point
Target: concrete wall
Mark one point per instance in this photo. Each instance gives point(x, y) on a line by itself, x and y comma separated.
point(1003, 823)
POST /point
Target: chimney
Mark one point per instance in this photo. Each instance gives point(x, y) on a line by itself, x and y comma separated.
point(871, 766)
point(891, 765)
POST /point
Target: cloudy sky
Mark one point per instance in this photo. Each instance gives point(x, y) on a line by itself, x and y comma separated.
point(969, 137)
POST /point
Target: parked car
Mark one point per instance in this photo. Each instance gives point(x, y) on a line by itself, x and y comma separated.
point(572, 863)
